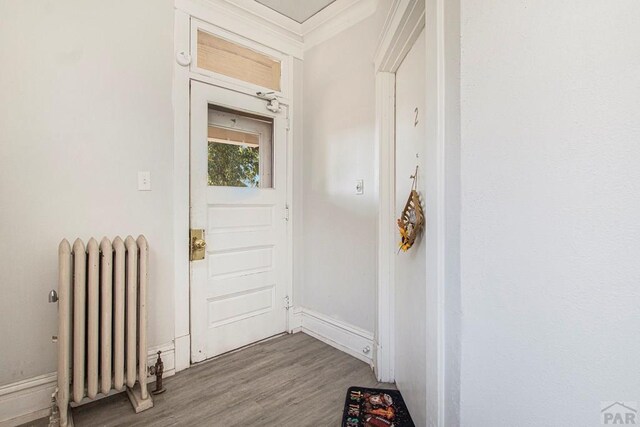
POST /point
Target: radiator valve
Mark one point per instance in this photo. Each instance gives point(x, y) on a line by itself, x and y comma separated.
point(159, 370)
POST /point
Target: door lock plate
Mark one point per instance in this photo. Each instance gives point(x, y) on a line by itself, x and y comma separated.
point(197, 244)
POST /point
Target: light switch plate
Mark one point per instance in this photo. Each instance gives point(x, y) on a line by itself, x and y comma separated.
point(144, 181)
point(360, 187)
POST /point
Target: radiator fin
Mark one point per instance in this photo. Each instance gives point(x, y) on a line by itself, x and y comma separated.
point(106, 316)
point(118, 340)
point(79, 320)
point(93, 308)
point(65, 294)
point(132, 308)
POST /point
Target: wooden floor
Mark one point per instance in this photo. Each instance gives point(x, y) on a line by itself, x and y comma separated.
point(293, 380)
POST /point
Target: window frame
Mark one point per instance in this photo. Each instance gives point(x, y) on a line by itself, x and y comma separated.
point(243, 86)
point(263, 127)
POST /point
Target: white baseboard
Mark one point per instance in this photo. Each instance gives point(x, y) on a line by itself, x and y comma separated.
point(26, 400)
point(343, 336)
point(295, 320)
point(182, 352)
point(30, 399)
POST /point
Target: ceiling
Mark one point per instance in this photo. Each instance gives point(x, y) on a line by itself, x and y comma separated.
point(298, 10)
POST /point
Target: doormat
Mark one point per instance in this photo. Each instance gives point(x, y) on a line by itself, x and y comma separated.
point(375, 407)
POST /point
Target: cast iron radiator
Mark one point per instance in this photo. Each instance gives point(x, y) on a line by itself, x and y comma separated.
point(102, 321)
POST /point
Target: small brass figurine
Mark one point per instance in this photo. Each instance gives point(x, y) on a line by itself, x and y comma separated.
point(159, 369)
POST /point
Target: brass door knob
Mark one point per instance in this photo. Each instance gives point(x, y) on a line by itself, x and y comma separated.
point(198, 244)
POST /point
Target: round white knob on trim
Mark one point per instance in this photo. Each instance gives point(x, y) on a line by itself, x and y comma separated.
point(183, 58)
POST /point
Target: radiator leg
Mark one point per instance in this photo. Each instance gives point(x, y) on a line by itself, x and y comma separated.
point(64, 419)
point(137, 401)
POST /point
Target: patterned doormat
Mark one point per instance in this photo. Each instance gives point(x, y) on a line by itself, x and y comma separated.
point(375, 407)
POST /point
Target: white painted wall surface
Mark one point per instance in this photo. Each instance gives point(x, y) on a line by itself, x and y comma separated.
point(339, 277)
point(410, 267)
point(550, 210)
point(86, 103)
point(452, 209)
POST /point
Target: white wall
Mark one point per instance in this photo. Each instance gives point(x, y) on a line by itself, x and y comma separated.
point(452, 210)
point(410, 267)
point(550, 210)
point(86, 103)
point(339, 249)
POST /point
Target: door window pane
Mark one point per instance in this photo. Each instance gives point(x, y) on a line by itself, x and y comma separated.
point(240, 149)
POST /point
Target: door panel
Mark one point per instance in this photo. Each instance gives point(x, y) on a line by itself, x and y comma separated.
point(238, 196)
point(410, 292)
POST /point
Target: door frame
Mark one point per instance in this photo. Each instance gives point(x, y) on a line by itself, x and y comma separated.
point(405, 22)
point(182, 77)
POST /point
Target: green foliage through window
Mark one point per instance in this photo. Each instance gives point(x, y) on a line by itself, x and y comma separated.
point(233, 165)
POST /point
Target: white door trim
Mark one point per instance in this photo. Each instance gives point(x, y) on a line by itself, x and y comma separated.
point(181, 106)
point(385, 146)
point(405, 22)
point(402, 27)
point(181, 161)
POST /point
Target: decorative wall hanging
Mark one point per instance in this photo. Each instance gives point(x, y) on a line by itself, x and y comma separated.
point(411, 221)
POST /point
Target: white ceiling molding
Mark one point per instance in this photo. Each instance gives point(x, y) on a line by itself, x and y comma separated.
point(399, 33)
point(257, 21)
point(224, 14)
point(326, 14)
point(268, 14)
point(334, 19)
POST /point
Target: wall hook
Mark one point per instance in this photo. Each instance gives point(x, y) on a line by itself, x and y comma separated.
point(415, 174)
point(414, 177)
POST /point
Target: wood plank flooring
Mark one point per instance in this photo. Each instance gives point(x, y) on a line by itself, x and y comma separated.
point(293, 380)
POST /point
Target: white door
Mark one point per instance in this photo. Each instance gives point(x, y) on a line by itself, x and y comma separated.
point(410, 289)
point(238, 197)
